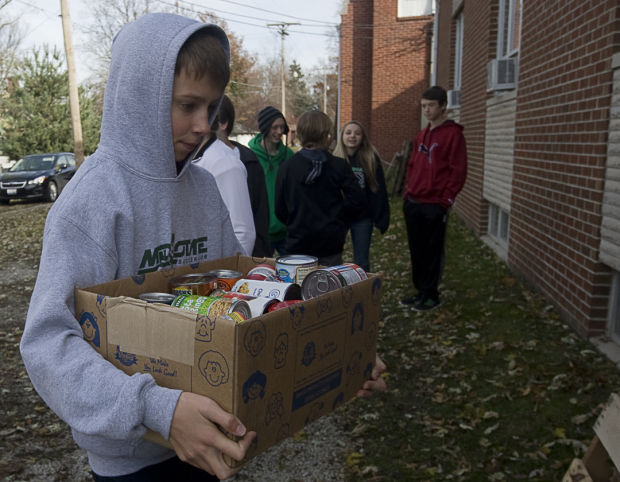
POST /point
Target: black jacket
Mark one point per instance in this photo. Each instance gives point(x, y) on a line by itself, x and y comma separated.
point(258, 199)
point(377, 205)
point(316, 215)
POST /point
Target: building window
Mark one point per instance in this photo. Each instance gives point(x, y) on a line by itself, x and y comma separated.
point(509, 28)
point(414, 8)
point(499, 224)
point(458, 51)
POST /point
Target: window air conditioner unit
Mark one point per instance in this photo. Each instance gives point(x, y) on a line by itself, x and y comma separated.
point(502, 74)
point(454, 99)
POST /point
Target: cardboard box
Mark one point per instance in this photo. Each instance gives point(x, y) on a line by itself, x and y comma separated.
point(276, 372)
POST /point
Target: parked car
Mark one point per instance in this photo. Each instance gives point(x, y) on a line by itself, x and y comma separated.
point(37, 176)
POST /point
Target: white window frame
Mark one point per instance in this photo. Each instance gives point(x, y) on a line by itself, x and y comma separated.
point(506, 20)
point(499, 225)
point(458, 50)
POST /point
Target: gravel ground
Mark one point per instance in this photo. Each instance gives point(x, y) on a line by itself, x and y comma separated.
point(36, 446)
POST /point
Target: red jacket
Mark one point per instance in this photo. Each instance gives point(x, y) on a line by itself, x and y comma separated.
point(437, 167)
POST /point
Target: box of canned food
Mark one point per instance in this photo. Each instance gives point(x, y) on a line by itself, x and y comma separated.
point(278, 354)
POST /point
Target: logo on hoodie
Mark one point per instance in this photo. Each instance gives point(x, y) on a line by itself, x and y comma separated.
point(174, 253)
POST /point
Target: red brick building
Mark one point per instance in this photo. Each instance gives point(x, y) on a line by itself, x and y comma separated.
point(537, 86)
point(385, 56)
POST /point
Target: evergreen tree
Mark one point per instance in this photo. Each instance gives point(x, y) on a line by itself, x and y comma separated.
point(298, 94)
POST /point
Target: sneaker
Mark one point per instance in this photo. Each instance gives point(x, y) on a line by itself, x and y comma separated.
point(426, 304)
point(411, 300)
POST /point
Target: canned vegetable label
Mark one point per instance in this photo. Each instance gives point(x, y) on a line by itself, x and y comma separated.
point(226, 278)
point(268, 289)
point(295, 267)
point(193, 284)
point(212, 307)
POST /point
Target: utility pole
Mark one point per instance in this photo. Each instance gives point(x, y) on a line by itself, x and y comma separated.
point(283, 33)
point(78, 143)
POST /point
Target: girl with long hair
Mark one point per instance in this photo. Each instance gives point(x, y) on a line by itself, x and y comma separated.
point(355, 147)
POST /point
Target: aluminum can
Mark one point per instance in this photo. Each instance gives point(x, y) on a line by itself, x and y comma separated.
point(226, 278)
point(262, 272)
point(278, 305)
point(193, 284)
point(258, 306)
point(324, 280)
point(268, 289)
point(156, 297)
point(294, 268)
point(212, 307)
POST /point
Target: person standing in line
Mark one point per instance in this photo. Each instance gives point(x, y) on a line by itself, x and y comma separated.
point(255, 177)
point(271, 153)
point(355, 147)
point(317, 194)
point(221, 160)
point(436, 173)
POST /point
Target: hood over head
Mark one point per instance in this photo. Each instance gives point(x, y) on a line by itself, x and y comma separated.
point(136, 129)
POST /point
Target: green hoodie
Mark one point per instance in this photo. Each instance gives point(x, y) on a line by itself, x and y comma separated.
point(277, 230)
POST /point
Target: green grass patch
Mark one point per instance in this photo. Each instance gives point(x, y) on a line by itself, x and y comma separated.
point(493, 385)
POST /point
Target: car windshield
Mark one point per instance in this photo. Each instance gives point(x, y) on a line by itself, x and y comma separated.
point(33, 163)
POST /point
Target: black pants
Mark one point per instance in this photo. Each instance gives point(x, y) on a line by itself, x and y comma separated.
point(426, 232)
point(166, 471)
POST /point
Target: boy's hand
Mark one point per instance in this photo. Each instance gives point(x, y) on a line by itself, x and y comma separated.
point(376, 382)
point(196, 439)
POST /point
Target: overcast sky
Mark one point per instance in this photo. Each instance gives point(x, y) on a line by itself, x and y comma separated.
point(310, 42)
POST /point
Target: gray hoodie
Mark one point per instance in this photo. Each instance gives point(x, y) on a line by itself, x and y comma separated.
point(125, 201)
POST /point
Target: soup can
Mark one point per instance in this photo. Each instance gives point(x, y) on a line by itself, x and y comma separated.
point(262, 272)
point(323, 280)
point(156, 297)
point(294, 268)
point(226, 278)
point(268, 289)
point(201, 284)
point(278, 305)
point(212, 307)
point(258, 306)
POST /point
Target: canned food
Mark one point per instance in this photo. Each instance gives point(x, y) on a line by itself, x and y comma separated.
point(157, 297)
point(324, 280)
point(268, 289)
point(262, 272)
point(294, 268)
point(213, 307)
point(278, 305)
point(193, 284)
point(226, 278)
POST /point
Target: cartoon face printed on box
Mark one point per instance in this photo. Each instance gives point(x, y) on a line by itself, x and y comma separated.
point(355, 364)
point(357, 320)
point(255, 337)
point(347, 296)
point(254, 386)
point(275, 408)
point(376, 291)
point(323, 306)
point(280, 350)
point(101, 304)
point(204, 328)
point(88, 322)
point(297, 315)
point(214, 368)
point(309, 354)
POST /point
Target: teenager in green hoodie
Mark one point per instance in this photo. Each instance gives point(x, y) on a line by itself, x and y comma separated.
point(271, 153)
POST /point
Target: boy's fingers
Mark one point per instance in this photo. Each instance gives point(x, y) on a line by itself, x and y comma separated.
point(227, 421)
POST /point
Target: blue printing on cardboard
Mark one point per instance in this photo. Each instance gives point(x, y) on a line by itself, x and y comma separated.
point(317, 389)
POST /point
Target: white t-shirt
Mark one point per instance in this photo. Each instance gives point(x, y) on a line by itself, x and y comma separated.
point(231, 178)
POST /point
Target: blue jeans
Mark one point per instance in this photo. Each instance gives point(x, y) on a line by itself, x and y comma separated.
point(361, 234)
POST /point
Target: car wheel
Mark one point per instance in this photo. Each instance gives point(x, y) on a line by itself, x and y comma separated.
point(52, 192)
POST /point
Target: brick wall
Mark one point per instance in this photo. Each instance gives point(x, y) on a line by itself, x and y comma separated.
point(356, 62)
point(560, 152)
point(400, 73)
point(478, 50)
point(384, 70)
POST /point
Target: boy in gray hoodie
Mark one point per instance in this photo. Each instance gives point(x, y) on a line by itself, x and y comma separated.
point(166, 79)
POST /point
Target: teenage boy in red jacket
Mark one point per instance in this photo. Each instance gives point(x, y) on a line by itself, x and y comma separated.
point(435, 174)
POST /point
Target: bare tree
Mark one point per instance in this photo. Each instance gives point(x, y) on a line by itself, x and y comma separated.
point(10, 39)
